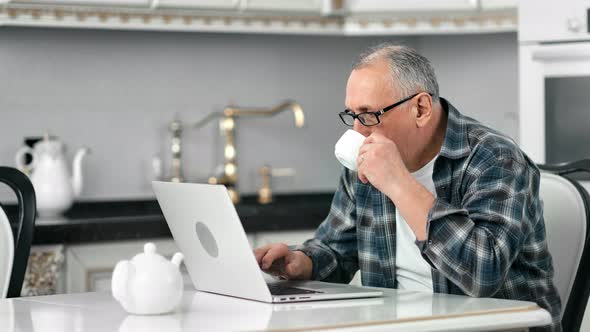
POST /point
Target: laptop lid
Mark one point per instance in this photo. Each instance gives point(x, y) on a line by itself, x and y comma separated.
point(208, 231)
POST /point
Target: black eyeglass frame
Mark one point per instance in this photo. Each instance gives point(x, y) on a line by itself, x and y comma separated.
point(376, 114)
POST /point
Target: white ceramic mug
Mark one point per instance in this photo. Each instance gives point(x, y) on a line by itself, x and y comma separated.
point(347, 148)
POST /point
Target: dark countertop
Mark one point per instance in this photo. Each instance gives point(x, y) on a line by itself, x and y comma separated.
point(139, 219)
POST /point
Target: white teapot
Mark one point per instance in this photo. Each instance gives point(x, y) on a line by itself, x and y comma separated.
point(54, 188)
point(148, 284)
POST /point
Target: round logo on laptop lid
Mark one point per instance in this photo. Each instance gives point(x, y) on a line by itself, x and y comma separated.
point(207, 240)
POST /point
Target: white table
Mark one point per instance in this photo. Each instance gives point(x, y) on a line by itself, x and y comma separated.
point(396, 311)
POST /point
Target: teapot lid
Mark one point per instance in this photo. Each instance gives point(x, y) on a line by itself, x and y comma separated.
point(47, 137)
point(149, 256)
point(48, 140)
point(149, 248)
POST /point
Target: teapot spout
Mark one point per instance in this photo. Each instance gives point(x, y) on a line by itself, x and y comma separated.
point(77, 170)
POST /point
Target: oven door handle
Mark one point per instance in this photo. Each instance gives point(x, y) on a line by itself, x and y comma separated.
point(562, 52)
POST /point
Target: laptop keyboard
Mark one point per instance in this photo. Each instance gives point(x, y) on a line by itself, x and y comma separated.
point(285, 290)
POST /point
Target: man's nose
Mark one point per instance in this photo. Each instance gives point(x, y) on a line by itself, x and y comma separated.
point(360, 128)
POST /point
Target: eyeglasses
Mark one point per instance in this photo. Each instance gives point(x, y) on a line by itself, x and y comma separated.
point(370, 118)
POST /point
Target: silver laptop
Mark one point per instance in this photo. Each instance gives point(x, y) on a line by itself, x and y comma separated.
point(218, 257)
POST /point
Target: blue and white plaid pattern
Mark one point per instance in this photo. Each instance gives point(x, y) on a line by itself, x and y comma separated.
point(486, 234)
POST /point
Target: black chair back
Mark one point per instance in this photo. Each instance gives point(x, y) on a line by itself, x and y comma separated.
point(23, 236)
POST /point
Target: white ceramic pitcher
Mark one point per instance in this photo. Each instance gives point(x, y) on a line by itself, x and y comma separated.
point(54, 187)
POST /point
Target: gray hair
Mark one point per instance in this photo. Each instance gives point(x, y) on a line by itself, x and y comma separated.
point(410, 71)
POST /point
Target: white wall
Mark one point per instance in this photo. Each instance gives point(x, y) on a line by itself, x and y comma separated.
point(479, 75)
point(115, 91)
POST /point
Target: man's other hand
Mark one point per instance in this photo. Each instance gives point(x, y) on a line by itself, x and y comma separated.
point(278, 260)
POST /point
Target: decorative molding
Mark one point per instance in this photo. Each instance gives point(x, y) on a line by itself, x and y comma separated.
point(190, 20)
point(113, 18)
point(433, 24)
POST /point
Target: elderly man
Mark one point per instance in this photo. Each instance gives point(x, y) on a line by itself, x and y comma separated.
point(440, 203)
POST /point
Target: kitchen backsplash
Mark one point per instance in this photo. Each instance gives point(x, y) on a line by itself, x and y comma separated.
point(116, 92)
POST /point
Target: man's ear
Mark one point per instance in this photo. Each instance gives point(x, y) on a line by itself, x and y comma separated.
point(423, 110)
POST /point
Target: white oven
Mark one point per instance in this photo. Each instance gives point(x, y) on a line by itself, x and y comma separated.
point(554, 80)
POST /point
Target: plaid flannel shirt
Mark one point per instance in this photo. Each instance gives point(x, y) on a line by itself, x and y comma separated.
point(486, 234)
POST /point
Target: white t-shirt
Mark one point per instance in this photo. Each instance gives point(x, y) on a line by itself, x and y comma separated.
point(411, 270)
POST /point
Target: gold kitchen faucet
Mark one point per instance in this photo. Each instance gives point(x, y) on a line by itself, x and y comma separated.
point(227, 125)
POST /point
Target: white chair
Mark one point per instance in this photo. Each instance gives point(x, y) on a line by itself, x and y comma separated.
point(7, 253)
point(567, 223)
point(15, 247)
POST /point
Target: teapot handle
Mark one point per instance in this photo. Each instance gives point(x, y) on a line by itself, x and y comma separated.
point(20, 157)
point(121, 274)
